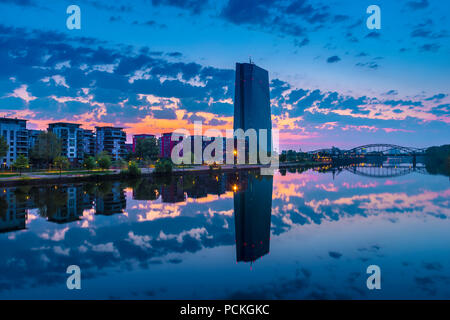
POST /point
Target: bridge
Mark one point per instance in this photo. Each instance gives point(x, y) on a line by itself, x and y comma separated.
point(373, 149)
point(385, 150)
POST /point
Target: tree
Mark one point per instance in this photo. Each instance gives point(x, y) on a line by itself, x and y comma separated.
point(89, 163)
point(61, 163)
point(47, 148)
point(3, 147)
point(133, 169)
point(21, 163)
point(164, 166)
point(120, 163)
point(104, 160)
point(147, 149)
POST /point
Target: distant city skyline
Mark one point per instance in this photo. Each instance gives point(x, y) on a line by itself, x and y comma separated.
point(157, 66)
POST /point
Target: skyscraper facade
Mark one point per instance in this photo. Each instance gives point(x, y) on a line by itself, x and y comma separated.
point(252, 100)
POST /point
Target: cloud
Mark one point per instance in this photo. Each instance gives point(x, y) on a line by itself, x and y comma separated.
point(150, 23)
point(333, 59)
point(417, 5)
point(22, 3)
point(392, 93)
point(62, 78)
point(373, 35)
point(194, 6)
point(335, 255)
point(370, 65)
point(438, 96)
point(292, 18)
point(430, 47)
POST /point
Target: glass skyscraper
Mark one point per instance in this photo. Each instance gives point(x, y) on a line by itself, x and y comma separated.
point(252, 100)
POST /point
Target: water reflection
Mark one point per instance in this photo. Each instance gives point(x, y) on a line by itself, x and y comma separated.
point(172, 238)
point(252, 212)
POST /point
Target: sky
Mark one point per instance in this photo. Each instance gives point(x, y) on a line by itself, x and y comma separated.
point(153, 66)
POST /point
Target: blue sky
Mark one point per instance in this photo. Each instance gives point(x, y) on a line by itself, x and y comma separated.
point(152, 66)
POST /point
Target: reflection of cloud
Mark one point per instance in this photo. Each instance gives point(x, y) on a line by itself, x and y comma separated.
point(158, 211)
point(140, 241)
point(290, 185)
point(195, 233)
point(57, 236)
point(104, 248)
point(359, 185)
point(330, 187)
point(385, 203)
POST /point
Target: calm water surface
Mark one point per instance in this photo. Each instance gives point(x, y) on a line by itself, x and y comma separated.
point(301, 235)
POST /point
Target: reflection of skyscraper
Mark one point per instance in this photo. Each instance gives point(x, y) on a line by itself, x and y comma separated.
point(252, 100)
point(252, 213)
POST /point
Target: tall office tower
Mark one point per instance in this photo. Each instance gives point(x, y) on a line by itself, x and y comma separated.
point(16, 135)
point(252, 215)
point(71, 136)
point(112, 140)
point(252, 100)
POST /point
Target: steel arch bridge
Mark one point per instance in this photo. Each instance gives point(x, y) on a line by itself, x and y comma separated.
point(385, 149)
point(385, 171)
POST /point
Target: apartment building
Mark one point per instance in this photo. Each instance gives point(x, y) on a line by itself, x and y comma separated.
point(16, 135)
point(112, 140)
point(71, 136)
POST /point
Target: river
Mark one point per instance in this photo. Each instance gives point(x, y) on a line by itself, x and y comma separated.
point(296, 235)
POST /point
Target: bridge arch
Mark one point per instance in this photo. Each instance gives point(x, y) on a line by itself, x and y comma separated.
point(384, 148)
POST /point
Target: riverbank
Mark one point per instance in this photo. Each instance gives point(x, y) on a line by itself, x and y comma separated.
point(43, 178)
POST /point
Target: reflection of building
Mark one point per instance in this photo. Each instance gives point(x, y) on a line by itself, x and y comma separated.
point(111, 140)
point(206, 184)
point(13, 213)
point(252, 213)
point(173, 193)
point(16, 135)
point(73, 208)
point(146, 190)
point(237, 181)
point(252, 100)
point(111, 202)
